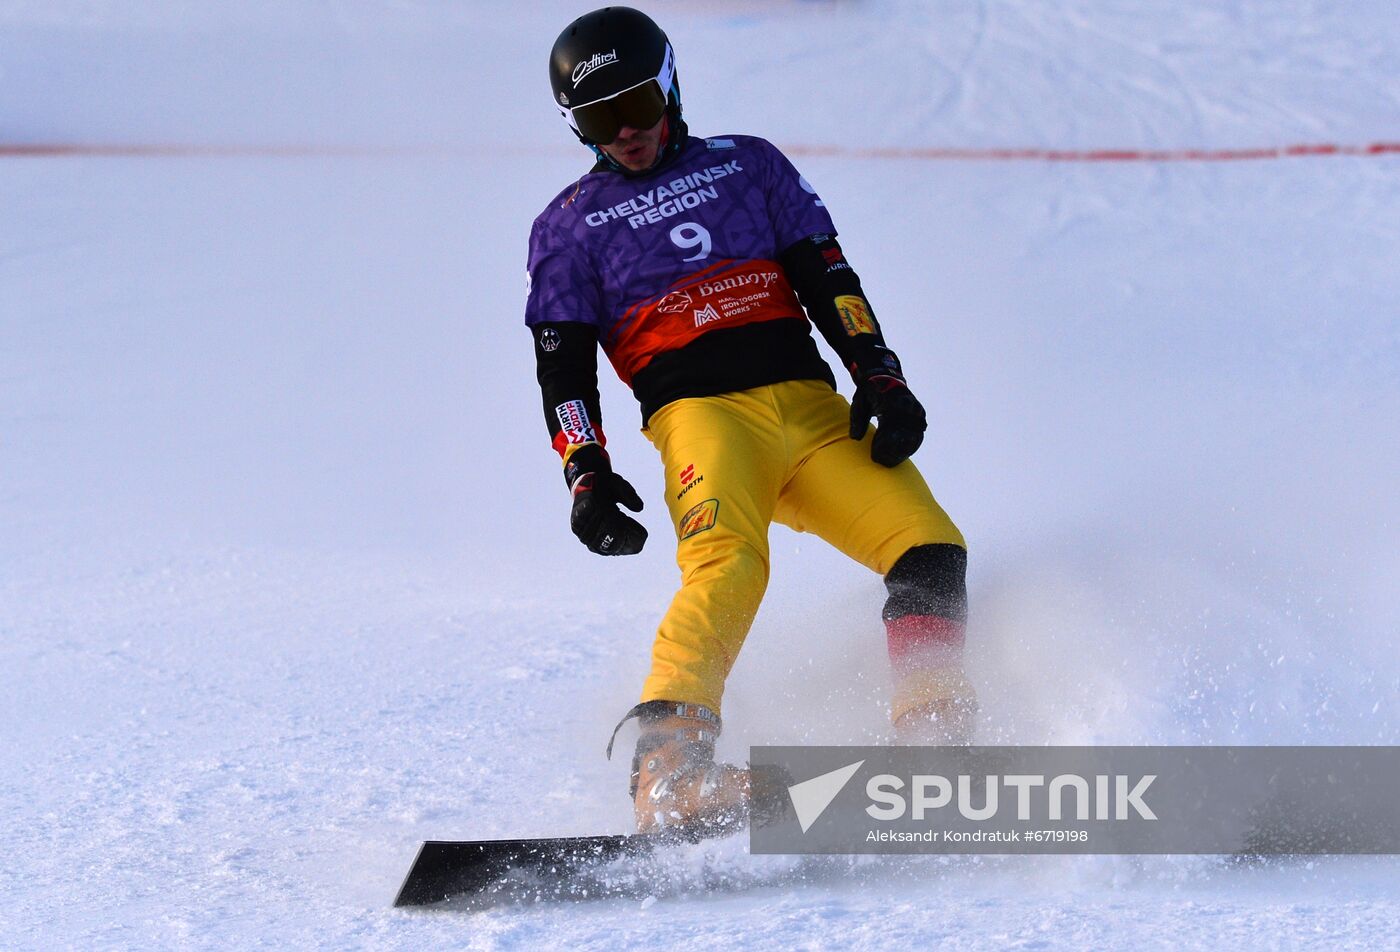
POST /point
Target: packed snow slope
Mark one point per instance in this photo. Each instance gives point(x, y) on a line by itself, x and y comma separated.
point(286, 581)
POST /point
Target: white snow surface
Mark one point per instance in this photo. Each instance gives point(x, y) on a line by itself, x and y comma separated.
point(286, 581)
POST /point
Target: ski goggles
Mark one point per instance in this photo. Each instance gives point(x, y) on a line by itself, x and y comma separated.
point(637, 107)
point(640, 107)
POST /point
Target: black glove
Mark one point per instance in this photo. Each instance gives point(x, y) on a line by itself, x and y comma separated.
point(598, 491)
point(881, 392)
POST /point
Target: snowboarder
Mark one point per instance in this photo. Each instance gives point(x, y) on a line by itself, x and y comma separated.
point(699, 267)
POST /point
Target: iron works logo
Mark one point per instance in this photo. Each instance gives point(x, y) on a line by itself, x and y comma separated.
point(706, 315)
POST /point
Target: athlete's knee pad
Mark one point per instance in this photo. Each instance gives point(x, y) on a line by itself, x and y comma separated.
point(926, 611)
point(928, 580)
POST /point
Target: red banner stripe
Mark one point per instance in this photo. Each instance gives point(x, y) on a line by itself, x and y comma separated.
point(932, 153)
point(913, 634)
point(1304, 150)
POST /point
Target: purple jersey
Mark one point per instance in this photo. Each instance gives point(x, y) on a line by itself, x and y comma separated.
point(656, 262)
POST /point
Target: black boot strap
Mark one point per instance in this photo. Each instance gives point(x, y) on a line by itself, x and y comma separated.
point(652, 711)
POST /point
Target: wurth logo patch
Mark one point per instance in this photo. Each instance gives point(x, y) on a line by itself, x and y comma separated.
point(688, 480)
point(574, 424)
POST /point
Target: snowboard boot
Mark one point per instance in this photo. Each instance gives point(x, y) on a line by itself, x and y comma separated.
point(944, 723)
point(944, 716)
point(926, 624)
point(677, 788)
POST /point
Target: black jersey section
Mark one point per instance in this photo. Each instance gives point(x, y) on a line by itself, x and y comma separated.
point(731, 359)
point(819, 273)
point(721, 361)
point(566, 366)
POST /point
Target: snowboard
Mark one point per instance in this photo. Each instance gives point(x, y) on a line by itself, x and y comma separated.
point(487, 872)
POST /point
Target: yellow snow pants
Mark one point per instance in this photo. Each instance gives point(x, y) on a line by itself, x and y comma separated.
point(737, 462)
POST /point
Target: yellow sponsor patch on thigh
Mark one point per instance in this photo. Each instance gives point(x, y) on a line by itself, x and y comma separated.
point(699, 518)
point(855, 314)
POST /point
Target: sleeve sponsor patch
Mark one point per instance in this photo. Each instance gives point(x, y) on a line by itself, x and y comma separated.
point(574, 425)
point(699, 519)
point(855, 314)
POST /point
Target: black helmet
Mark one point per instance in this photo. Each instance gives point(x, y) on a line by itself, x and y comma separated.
point(611, 68)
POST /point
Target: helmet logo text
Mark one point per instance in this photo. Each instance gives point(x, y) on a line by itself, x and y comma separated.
point(597, 62)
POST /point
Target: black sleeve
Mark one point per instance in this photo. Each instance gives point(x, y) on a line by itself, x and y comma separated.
point(830, 290)
point(566, 366)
